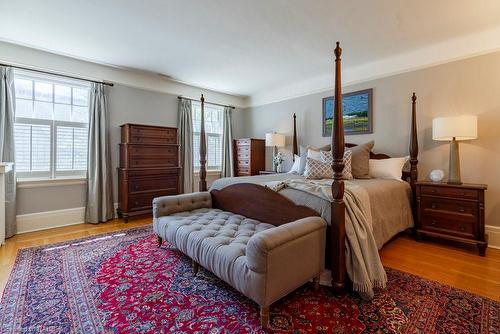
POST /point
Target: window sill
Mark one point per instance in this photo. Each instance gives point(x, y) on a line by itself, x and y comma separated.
point(45, 182)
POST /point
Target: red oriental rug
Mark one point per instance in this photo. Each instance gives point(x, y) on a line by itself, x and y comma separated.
point(123, 283)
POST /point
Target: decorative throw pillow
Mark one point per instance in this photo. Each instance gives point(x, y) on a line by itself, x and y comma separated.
point(316, 169)
point(360, 160)
point(327, 157)
point(391, 168)
point(296, 165)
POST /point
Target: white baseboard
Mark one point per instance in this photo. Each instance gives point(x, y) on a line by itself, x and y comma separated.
point(49, 219)
point(493, 233)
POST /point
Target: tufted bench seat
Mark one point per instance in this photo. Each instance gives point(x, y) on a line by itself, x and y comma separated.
point(262, 261)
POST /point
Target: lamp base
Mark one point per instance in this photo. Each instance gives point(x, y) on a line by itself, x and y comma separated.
point(454, 165)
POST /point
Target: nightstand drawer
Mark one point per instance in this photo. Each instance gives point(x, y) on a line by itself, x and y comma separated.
point(452, 206)
point(459, 193)
point(449, 225)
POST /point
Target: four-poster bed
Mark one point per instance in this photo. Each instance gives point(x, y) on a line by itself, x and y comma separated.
point(261, 203)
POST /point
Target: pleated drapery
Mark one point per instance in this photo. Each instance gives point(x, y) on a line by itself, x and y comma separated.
point(227, 169)
point(185, 134)
point(99, 198)
point(7, 119)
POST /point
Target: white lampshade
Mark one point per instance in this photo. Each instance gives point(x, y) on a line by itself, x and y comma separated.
point(461, 127)
point(275, 139)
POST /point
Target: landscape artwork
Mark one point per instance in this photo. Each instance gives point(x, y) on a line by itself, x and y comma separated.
point(357, 113)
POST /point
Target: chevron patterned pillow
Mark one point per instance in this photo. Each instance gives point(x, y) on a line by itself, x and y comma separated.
point(316, 169)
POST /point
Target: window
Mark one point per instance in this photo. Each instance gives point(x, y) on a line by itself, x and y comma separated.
point(51, 128)
point(213, 129)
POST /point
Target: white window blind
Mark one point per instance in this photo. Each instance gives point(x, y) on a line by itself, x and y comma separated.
point(51, 130)
point(213, 129)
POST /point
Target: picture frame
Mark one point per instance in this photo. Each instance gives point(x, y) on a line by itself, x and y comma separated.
point(357, 113)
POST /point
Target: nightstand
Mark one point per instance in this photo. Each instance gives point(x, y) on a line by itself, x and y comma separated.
point(451, 212)
point(267, 172)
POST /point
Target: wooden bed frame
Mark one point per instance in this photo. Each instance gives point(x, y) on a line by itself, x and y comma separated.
point(263, 204)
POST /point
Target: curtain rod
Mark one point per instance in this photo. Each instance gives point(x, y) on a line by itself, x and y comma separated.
point(217, 104)
point(54, 73)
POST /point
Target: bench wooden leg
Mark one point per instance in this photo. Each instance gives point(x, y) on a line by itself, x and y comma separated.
point(196, 267)
point(264, 316)
point(316, 282)
point(160, 240)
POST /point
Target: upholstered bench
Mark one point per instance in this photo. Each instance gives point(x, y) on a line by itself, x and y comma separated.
point(262, 261)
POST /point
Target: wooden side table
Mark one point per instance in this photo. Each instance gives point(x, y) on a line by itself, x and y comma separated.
point(267, 172)
point(452, 212)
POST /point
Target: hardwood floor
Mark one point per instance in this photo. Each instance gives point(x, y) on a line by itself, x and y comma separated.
point(457, 267)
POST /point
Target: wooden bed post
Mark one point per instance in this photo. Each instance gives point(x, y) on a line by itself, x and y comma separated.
point(203, 149)
point(337, 231)
point(413, 145)
point(295, 147)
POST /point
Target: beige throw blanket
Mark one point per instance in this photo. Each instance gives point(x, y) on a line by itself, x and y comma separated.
point(362, 259)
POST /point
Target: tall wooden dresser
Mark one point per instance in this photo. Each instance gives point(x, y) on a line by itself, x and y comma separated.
point(250, 156)
point(149, 167)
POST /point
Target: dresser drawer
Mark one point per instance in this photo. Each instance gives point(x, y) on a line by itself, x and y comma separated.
point(451, 206)
point(243, 163)
point(245, 141)
point(151, 184)
point(449, 225)
point(459, 193)
point(243, 156)
point(143, 201)
point(242, 150)
point(137, 134)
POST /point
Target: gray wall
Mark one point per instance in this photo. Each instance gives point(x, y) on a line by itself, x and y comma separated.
point(126, 105)
point(470, 86)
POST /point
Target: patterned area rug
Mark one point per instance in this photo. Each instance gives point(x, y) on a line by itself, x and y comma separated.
point(122, 283)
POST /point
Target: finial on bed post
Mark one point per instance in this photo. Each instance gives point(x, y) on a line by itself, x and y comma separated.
point(295, 147)
point(203, 149)
point(413, 144)
point(337, 231)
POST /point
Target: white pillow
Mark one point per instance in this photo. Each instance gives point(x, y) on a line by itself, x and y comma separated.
point(391, 168)
point(313, 154)
point(296, 165)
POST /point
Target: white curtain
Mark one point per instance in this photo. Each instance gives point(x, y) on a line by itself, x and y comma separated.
point(7, 118)
point(99, 199)
point(185, 135)
point(227, 169)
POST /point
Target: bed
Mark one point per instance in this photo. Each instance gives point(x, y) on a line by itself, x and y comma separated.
point(392, 200)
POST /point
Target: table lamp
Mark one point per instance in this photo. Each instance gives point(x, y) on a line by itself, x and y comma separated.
point(275, 140)
point(454, 129)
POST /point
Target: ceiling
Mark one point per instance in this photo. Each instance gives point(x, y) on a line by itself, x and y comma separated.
point(243, 47)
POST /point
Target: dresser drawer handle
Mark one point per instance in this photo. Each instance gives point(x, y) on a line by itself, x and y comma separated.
point(461, 210)
point(462, 228)
point(136, 187)
point(434, 190)
point(136, 203)
point(462, 193)
point(433, 222)
point(433, 205)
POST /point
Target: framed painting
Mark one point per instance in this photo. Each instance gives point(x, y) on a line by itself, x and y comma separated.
point(357, 113)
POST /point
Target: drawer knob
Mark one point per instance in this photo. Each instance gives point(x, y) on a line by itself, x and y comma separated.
point(434, 190)
point(433, 222)
point(433, 205)
point(462, 228)
point(136, 203)
point(136, 187)
point(461, 209)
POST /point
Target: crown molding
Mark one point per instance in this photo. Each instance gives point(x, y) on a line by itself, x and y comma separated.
point(455, 49)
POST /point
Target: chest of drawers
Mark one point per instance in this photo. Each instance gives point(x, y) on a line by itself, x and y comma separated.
point(249, 156)
point(149, 167)
point(452, 212)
